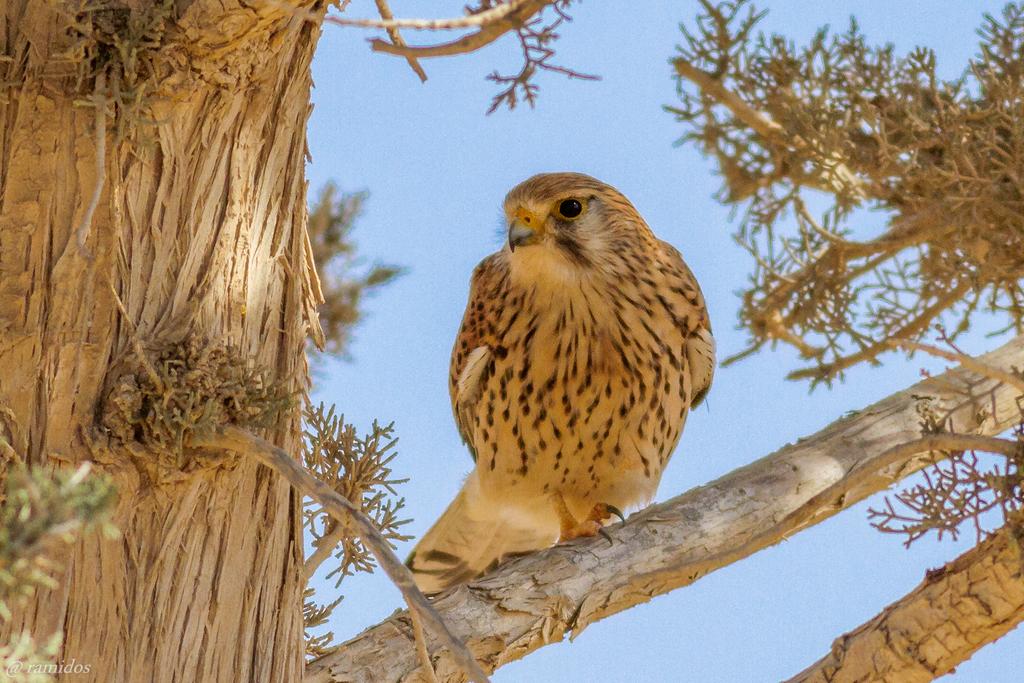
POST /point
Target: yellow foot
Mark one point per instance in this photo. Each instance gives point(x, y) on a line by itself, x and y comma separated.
point(603, 511)
point(584, 529)
point(591, 526)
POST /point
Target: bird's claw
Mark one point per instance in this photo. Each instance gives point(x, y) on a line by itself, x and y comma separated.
point(615, 511)
point(591, 526)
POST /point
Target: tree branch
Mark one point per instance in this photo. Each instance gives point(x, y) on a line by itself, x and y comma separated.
point(513, 15)
point(396, 38)
point(1014, 380)
point(478, 20)
point(535, 600)
point(712, 86)
point(325, 548)
point(246, 443)
point(958, 609)
point(916, 325)
point(773, 133)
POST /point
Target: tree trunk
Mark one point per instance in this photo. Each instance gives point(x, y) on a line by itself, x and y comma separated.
point(200, 230)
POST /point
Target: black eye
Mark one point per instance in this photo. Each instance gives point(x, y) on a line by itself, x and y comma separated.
point(570, 208)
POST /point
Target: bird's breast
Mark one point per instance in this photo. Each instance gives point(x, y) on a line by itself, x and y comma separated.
point(587, 397)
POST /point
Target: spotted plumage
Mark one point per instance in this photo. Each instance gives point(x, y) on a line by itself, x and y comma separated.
point(584, 344)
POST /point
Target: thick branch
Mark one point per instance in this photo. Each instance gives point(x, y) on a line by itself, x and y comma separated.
point(958, 609)
point(241, 441)
point(538, 599)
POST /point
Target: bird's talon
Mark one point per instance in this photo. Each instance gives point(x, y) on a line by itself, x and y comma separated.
point(615, 511)
point(606, 535)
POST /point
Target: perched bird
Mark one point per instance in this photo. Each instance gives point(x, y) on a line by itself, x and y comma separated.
point(584, 344)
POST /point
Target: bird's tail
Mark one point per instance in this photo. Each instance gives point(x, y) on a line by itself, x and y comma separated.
point(469, 539)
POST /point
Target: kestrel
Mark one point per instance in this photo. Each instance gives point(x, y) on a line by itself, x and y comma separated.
point(584, 345)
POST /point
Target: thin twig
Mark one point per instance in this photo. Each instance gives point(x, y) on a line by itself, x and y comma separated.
point(421, 647)
point(964, 360)
point(770, 130)
point(324, 549)
point(811, 221)
point(477, 20)
point(516, 14)
point(99, 100)
point(343, 510)
point(396, 38)
point(709, 84)
point(133, 337)
point(918, 324)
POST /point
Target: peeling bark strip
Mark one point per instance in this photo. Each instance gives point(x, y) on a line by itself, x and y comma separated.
point(199, 229)
point(958, 609)
point(536, 600)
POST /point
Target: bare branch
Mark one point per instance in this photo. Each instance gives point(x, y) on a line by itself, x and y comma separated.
point(492, 19)
point(513, 15)
point(958, 609)
point(536, 600)
point(478, 20)
point(396, 38)
point(246, 443)
point(710, 85)
point(1014, 380)
point(325, 548)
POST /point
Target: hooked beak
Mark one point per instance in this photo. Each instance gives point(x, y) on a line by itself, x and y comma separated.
point(525, 229)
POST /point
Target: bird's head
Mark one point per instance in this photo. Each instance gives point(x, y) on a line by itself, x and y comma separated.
point(568, 221)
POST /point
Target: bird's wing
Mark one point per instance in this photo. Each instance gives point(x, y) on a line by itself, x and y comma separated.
point(700, 357)
point(473, 355)
point(699, 344)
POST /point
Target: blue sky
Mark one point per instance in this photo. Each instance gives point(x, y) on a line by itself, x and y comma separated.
point(437, 170)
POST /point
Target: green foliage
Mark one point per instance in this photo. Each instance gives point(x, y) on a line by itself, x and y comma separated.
point(356, 467)
point(849, 126)
point(315, 616)
point(344, 279)
point(22, 660)
point(116, 49)
point(40, 510)
point(359, 468)
point(190, 389)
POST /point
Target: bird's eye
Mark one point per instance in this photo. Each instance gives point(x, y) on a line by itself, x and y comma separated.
point(570, 208)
